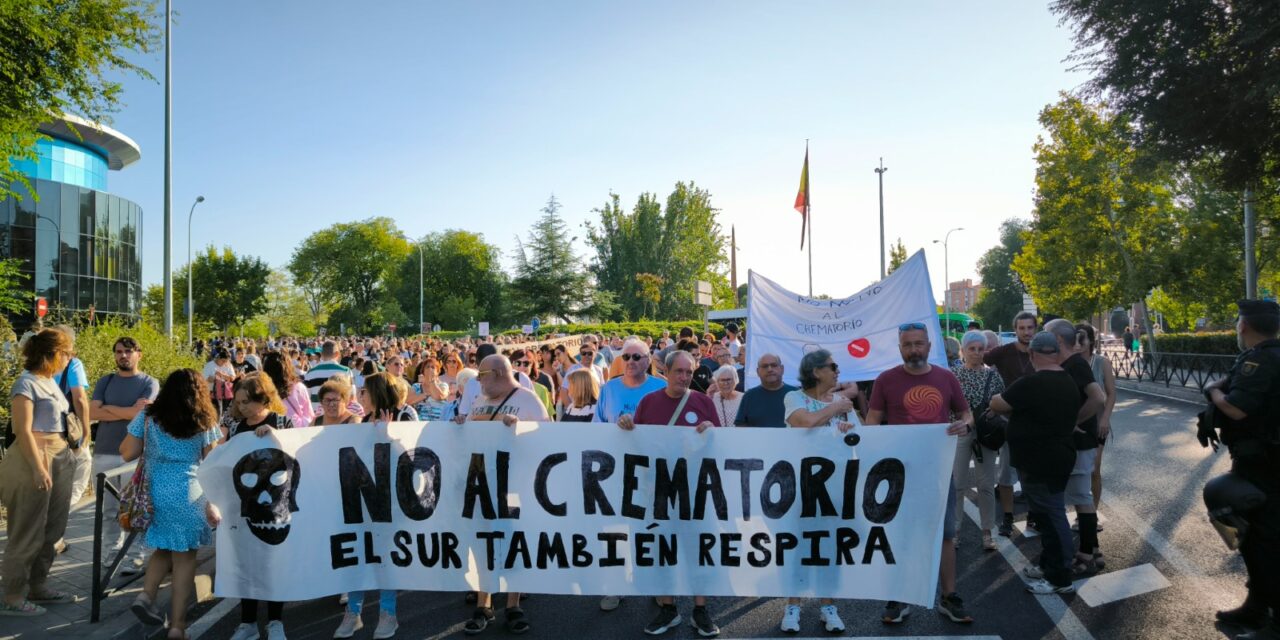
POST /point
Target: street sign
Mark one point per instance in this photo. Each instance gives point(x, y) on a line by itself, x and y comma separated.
point(702, 293)
point(391, 327)
point(1029, 304)
point(527, 329)
point(425, 328)
point(42, 307)
point(435, 328)
point(483, 329)
point(536, 324)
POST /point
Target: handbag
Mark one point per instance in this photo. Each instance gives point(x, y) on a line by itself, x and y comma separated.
point(989, 427)
point(72, 428)
point(136, 509)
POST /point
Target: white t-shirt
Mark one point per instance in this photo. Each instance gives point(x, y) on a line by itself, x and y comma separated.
point(798, 399)
point(211, 367)
point(523, 404)
point(595, 371)
point(471, 392)
point(734, 347)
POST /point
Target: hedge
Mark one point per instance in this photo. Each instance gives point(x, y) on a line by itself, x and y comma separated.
point(651, 329)
point(1207, 342)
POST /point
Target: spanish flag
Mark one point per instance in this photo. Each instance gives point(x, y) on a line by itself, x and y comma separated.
point(802, 197)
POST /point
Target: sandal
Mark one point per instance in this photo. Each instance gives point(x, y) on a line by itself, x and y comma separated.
point(479, 621)
point(25, 608)
point(1083, 565)
point(50, 596)
point(146, 611)
point(516, 622)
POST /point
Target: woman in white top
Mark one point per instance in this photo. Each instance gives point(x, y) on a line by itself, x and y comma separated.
point(725, 395)
point(821, 401)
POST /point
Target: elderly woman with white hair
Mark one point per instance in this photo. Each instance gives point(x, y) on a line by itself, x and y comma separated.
point(726, 396)
point(979, 383)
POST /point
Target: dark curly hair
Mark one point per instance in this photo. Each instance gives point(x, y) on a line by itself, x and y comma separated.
point(183, 408)
point(276, 365)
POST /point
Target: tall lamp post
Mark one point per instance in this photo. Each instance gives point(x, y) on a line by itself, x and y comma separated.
point(946, 274)
point(168, 174)
point(880, 175)
point(191, 304)
point(421, 260)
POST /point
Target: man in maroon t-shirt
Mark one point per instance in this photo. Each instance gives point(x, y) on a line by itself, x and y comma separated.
point(677, 405)
point(917, 392)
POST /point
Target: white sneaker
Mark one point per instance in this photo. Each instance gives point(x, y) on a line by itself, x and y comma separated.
point(609, 603)
point(831, 618)
point(1044, 588)
point(351, 623)
point(387, 626)
point(245, 631)
point(791, 619)
point(275, 630)
point(1032, 572)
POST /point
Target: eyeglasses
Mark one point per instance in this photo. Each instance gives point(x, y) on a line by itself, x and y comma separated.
point(522, 363)
point(835, 368)
point(586, 354)
point(912, 326)
point(633, 356)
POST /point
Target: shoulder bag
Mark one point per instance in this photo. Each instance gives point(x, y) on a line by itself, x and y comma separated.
point(989, 427)
point(72, 428)
point(136, 509)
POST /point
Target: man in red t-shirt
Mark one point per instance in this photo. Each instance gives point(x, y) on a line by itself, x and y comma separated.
point(677, 405)
point(917, 392)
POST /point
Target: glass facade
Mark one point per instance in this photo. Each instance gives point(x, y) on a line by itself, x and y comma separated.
point(68, 163)
point(80, 247)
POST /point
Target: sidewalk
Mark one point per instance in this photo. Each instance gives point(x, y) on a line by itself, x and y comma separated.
point(73, 573)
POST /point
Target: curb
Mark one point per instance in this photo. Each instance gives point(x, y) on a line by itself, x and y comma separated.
point(1173, 397)
point(125, 625)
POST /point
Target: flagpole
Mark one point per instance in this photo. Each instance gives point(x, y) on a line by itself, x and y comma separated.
point(807, 215)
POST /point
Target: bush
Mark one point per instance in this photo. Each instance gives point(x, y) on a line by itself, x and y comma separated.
point(645, 328)
point(160, 356)
point(1208, 342)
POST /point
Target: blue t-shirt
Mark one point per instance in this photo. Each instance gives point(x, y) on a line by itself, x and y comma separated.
point(616, 398)
point(76, 375)
point(761, 407)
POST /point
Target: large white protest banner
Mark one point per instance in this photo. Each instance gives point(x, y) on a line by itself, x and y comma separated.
point(860, 331)
point(580, 509)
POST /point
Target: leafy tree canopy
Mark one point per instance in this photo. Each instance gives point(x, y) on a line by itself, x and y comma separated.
point(1002, 290)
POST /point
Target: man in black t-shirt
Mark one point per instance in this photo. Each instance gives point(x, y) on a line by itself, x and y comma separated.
point(1085, 440)
point(1042, 409)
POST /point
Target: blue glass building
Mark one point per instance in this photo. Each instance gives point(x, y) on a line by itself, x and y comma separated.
point(79, 245)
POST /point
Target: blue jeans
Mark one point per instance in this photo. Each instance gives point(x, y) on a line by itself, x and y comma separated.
point(1048, 508)
point(386, 601)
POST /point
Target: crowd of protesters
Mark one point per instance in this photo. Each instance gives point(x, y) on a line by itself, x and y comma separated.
point(1055, 389)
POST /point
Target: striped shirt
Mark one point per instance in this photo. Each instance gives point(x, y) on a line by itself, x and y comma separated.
point(319, 374)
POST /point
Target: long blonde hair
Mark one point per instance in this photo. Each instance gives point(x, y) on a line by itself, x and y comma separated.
point(584, 391)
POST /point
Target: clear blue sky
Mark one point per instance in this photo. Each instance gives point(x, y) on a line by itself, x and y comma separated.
point(290, 116)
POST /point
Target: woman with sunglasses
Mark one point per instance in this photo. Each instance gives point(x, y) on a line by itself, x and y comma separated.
point(522, 361)
point(821, 401)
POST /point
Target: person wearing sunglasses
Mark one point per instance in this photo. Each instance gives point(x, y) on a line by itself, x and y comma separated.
point(917, 392)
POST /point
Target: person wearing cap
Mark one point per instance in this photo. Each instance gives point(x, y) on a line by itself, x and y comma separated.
point(916, 392)
point(1042, 409)
point(1248, 401)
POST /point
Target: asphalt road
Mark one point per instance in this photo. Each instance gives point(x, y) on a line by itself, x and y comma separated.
point(1167, 570)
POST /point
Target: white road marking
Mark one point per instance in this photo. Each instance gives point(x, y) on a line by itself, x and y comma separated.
point(211, 617)
point(1117, 585)
point(1059, 613)
point(888, 638)
point(1155, 539)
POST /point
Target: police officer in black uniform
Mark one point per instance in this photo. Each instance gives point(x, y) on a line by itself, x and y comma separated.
point(1248, 406)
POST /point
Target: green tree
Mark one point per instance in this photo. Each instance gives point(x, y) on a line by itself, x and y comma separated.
point(549, 278)
point(351, 264)
point(1100, 204)
point(61, 56)
point(287, 307)
point(229, 290)
point(15, 296)
point(1001, 296)
point(462, 281)
point(897, 256)
point(650, 290)
point(1200, 76)
point(680, 243)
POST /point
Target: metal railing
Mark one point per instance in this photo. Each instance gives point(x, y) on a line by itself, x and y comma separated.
point(1190, 370)
point(102, 587)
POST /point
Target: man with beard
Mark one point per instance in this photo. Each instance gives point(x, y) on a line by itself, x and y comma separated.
point(1012, 361)
point(117, 399)
point(917, 392)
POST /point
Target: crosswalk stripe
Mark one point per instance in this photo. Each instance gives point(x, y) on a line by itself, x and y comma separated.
point(1059, 613)
point(1117, 585)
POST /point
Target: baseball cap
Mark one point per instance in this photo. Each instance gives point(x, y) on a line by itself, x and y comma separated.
point(1045, 343)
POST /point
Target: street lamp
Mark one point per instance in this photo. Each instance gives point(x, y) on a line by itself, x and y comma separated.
point(421, 260)
point(191, 305)
point(946, 273)
point(880, 174)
